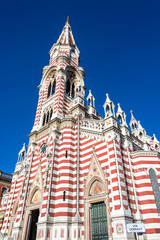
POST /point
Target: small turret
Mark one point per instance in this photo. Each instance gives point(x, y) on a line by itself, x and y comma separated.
point(141, 133)
point(90, 99)
point(156, 144)
point(121, 116)
point(91, 103)
point(137, 129)
point(109, 107)
point(133, 123)
point(22, 154)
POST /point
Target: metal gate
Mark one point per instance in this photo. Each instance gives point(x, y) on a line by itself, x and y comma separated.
point(99, 221)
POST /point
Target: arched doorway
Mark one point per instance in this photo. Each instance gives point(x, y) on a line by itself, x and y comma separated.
point(32, 224)
point(97, 217)
point(32, 214)
point(99, 223)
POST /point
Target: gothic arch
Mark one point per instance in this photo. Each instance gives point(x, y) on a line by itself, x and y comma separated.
point(90, 184)
point(95, 192)
point(47, 74)
point(32, 194)
point(31, 206)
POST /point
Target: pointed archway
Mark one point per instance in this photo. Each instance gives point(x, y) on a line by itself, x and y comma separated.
point(96, 200)
point(33, 207)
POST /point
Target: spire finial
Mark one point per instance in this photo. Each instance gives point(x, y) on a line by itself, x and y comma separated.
point(67, 20)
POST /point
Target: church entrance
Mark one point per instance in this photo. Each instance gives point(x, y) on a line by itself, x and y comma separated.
point(33, 219)
point(99, 221)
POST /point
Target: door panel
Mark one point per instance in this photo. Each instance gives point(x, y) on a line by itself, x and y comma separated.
point(99, 221)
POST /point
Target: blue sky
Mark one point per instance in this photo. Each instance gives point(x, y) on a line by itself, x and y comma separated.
point(119, 43)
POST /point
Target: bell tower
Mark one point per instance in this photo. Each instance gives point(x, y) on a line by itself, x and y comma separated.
point(62, 90)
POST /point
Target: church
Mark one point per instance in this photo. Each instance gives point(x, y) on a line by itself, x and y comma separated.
point(84, 176)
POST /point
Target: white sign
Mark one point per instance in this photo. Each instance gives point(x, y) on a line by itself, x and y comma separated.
point(135, 228)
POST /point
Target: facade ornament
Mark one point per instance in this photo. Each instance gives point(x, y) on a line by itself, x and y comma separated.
point(22, 154)
point(121, 116)
point(109, 107)
point(156, 143)
point(133, 123)
point(90, 99)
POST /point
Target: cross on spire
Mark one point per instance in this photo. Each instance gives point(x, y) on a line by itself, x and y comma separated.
point(67, 20)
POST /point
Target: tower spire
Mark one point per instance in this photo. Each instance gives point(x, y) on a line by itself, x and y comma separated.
point(67, 20)
point(65, 44)
point(66, 36)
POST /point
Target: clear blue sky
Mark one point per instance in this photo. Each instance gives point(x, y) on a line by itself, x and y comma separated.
point(120, 52)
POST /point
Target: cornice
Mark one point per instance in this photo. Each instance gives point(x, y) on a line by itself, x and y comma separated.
point(55, 122)
point(5, 179)
point(145, 153)
point(77, 106)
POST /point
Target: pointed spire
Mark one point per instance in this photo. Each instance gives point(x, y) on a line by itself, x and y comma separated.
point(156, 143)
point(119, 109)
point(121, 116)
point(91, 99)
point(67, 20)
point(107, 98)
point(22, 153)
point(66, 36)
point(109, 107)
point(154, 138)
point(140, 126)
point(133, 123)
point(65, 44)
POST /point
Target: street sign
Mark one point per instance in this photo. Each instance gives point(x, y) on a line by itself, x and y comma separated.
point(135, 228)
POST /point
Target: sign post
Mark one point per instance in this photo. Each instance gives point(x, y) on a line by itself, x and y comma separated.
point(136, 228)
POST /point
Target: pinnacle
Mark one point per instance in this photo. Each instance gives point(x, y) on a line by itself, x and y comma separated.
point(107, 99)
point(67, 20)
point(66, 36)
point(119, 108)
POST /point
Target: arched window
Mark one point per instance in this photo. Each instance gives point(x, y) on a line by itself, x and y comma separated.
point(51, 112)
point(73, 90)
point(54, 87)
point(49, 90)
point(119, 119)
point(68, 87)
point(47, 117)
point(140, 135)
point(4, 190)
point(155, 187)
point(44, 120)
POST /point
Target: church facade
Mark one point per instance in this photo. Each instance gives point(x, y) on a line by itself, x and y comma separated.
point(83, 176)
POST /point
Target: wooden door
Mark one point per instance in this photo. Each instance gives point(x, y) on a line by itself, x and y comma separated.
point(99, 221)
